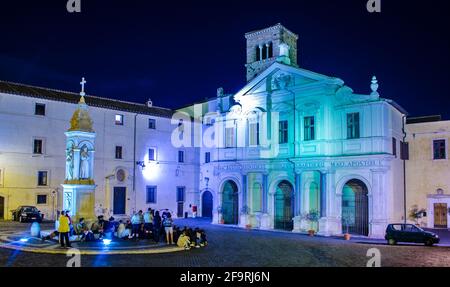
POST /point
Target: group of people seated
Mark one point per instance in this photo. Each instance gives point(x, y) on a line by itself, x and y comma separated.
point(149, 225)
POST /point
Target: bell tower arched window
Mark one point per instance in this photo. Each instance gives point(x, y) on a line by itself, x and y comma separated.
point(258, 53)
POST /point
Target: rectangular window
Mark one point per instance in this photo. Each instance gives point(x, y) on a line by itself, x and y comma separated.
point(230, 140)
point(42, 178)
point(180, 156)
point(151, 194)
point(118, 152)
point(309, 129)
point(39, 110)
point(119, 120)
point(404, 150)
point(38, 146)
point(394, 147)
point(283, 132)
point(41, 199)
point(152, 154)
point(152, 124)
point(253, 129)
point(353, 126)
point(439, 150)
point(181, 193)
point(207, 157)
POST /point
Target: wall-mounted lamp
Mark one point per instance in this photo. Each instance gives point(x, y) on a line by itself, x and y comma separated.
point(141, 164)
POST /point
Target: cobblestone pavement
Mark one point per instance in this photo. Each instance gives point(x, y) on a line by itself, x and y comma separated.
point(232, 247)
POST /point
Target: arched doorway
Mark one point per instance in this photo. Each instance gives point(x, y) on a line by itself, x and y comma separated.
point(207, 204)
point(230, 203)
point(2, 207)
point(355, 208)
point(284, 206)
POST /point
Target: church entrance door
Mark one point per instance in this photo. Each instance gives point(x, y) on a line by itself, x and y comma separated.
point(440, 215)
point(207, 204)
point(230, 203)
point(284, 206)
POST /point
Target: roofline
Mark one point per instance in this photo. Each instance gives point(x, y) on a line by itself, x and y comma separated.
point(397, 106)
point(270, 28)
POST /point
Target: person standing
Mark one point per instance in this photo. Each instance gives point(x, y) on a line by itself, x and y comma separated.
point(156, 226)
point(168, 228)
point(148, 222)
point(64, 229)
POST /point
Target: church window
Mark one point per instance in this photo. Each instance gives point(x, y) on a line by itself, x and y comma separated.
point(41, 199)
point(38, 146)
point(309, 129)
point(230, 137)
point(152, 124)
point(270, 50)
point(39, 110)
point(283, 132)
point(119, 120)
point(253, 134)
point(353, 126)
point(439, 149)
point(42, 178)
point(118, 152)
point(394, 147)
point(180, 156)
point(207, 157)
point(181, 193)
point(404, 150)
point(151, 194)
point(265, 52)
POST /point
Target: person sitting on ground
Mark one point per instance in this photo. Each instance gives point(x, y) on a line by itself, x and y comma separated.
point(109, 228)
point(122, 231)
point(80, 228)
point(98, 226)
point(184, 241)
point(192, 236)
point(198, 236)
point(168, 228)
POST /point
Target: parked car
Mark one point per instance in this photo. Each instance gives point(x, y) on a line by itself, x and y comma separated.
point(27, 213)
point(409, 233)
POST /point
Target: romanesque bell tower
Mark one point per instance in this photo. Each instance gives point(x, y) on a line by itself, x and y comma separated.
point(266, 46)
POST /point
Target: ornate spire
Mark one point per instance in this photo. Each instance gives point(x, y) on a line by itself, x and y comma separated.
point(374, 86)
point(81, 120)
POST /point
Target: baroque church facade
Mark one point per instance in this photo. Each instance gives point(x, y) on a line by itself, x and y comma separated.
point(294, 150)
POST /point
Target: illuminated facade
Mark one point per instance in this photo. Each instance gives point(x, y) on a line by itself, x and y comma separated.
point(291, 146)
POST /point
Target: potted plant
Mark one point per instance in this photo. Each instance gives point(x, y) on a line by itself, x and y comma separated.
point(313, 217)
point(416, 214)
point(346, 221)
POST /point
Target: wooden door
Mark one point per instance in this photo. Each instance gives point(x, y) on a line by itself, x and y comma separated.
point(440, 215)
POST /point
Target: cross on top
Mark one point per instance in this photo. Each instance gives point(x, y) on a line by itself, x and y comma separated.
point(82, 83)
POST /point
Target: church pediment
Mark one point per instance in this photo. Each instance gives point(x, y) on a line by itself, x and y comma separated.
point(279, 77)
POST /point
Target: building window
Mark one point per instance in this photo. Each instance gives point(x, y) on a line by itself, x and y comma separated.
point(181, 193)
point(439, 149)
point(152, 124)
point(119, 120)
point(151, 194)
point(258, 53)
point(283, 132)
point(309, 129)
point(394, 147)
point(207, 157)
point(270, 50)
point(42, 178)
point(404, 150)
point(180, 156)
point(118, 152)
point(230, 137)
point(253, 129)
point(38, 146)
point(353, 126)
point(41, 199)
point(152, 154)
point(39, 110)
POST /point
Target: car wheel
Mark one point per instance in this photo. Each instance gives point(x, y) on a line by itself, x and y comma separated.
point(392, 241)
point(429, 242)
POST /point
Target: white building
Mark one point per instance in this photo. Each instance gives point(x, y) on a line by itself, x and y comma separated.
point(325, 150)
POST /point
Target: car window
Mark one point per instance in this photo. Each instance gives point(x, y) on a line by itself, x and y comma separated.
point(397, 227)
point(411, 228)
point(29, 209)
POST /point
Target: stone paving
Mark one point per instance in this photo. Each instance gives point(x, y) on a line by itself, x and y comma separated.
point(233, 247)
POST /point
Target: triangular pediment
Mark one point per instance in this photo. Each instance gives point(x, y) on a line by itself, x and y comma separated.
point(279, 76)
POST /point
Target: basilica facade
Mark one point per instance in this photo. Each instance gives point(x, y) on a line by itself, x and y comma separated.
point(292, 150)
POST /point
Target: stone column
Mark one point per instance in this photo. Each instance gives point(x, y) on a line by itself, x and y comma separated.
point(378, 204)
point(243, 217)
point(76, 164)
point(323, 194)
point(265, 218)
point(267, 51)
point(298, 203)
point(329, 223)
point(260, 52)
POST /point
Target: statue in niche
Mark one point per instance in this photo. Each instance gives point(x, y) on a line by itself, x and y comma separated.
point(84, 164)
point(68, 201)
point(69, 162)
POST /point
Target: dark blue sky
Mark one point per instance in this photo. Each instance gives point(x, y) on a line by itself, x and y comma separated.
point(179, 52)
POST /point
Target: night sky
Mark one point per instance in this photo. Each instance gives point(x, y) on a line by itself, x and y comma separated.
point(177, 53)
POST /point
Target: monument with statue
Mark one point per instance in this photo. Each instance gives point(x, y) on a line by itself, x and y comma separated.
point(79, 186)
